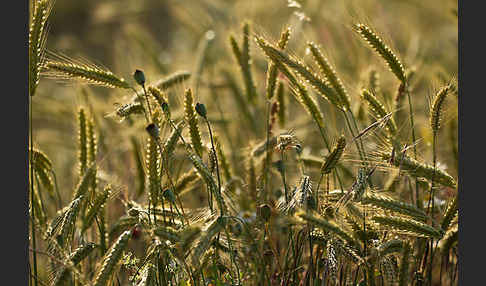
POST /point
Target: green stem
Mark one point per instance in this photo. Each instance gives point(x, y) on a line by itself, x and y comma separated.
point(412, 125)
point(34, 255)
point(217, 165)
point(283, 175)
point(267, 152)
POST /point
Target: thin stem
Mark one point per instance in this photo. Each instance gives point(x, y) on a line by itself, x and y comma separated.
point(361, 155)
point(217, 164)
point(431, 199)
point(221, 198)
point(412, 126)
point(267, 151)
point(32, 211)
point(146, 98)
point(283, 175)
point(144, 111)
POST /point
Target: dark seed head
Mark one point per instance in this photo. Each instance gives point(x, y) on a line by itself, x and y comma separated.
point(201, 109)
point(139, 77)
point(169, 195)
point(153, 130)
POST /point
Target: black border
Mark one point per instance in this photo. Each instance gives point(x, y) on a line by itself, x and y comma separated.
point(14, 116)
point(471, 130)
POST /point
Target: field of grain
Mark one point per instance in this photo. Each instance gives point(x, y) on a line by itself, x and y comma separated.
point(243, 142)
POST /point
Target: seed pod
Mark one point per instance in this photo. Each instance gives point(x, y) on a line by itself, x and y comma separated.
point(139, 77)
point(169, 195)
point(153, 130)
point(201, 109)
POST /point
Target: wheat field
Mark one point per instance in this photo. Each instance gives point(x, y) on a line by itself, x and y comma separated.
point(243, 142)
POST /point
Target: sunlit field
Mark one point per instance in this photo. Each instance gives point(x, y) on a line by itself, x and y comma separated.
point(226, 142)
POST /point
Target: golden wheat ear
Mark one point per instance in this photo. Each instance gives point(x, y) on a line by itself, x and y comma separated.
point(37, 40)
point(62, 67)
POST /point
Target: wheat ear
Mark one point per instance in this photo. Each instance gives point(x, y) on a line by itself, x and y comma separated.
point(328, 71)
point(437, 104)
point(319, 84)
point(421, 170)
point(173, 79)
point(37, 41)
point(85, 72)
point(383, 50)
point(378, 110)
point(76, 256)
point(111, 259)
point(408, 226)
point(191, 119)
point(388, 204)
point(272, 71)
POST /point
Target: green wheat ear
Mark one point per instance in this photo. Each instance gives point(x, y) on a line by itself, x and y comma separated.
point(85, 72)
point(97, 206)
point(334, 156)
point(331, 227)
point(449, 214)
point(298, 90)
point(450, 239)
point(82, 142)
point(186, 180)
point(43, 168)
point(157, 94)
point(420, 170)
point(378, 110)
point(246, 64)
point(383, 50)
point(281, 59)
point(243, 58)
point(437, 104)
point(223, 161)
point(173, 79)
point(69, 220)
point(374, 82)
point(85, 182)
point(205, 239)
point(191, 118)
point(388, 204)
point(171, 143)
point(153, 162)
point(408, 226)
point(37, 41)
point(328, 71)
point(76, 257)
point(272, 69)
point(111, 259)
